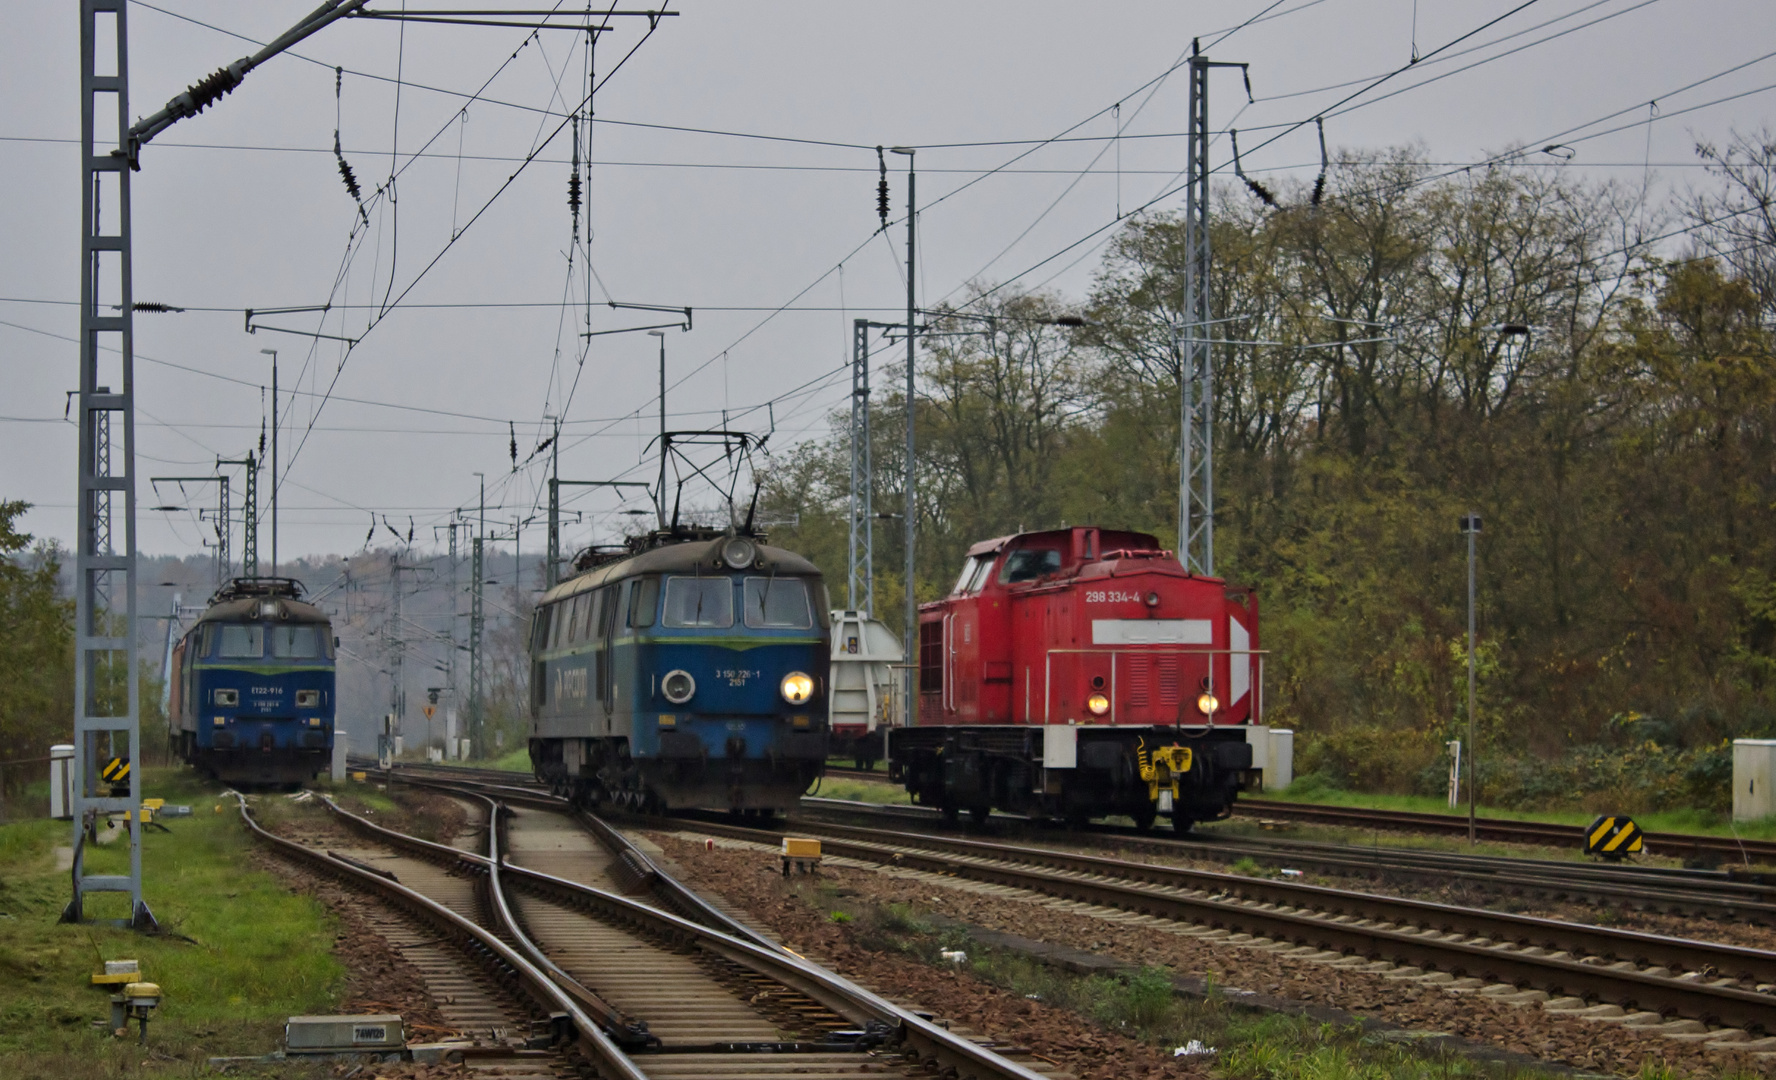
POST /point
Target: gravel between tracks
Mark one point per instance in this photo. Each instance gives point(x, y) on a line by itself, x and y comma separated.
point(750, 879)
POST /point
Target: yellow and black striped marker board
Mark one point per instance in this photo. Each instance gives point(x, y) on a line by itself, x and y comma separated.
point(1613, 836)
point(116, 771)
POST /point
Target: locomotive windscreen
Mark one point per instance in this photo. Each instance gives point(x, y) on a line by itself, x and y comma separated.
point(700, 602)
point(780, 603)
point(241, 642)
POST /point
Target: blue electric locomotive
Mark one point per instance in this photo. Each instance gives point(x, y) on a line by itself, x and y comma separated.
point(684, 672)
point(253, 686)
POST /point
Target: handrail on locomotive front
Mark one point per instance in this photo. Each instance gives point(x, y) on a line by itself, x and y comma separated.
point(1110, 718)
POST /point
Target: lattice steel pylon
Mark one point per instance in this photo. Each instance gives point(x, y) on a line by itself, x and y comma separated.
point(1196, 371)
point(103, 641)
point(106, 715)
point(862, 580)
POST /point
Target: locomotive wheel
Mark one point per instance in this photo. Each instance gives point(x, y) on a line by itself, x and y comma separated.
point(1077, 819)
point(951, 813)
point(1144, 817)
point(1181, 825)
point(979, 814)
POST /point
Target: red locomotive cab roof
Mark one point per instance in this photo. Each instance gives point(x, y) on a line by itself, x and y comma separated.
point(1057, 556)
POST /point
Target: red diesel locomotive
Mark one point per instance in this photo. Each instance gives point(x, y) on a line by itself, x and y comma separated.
point(1083, 672)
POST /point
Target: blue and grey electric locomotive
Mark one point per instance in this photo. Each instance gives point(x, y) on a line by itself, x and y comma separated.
point(683, 674)
point(253, 686)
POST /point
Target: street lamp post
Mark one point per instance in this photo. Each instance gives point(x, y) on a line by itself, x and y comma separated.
point(273, 353)
point(1470, 525)
point(911, 523)
point(660, 499)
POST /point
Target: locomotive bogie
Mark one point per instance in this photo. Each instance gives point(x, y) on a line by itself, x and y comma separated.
point(1082, 673)
point(677, 679)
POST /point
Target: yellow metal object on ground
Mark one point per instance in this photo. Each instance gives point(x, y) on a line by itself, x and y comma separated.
point(797, 848)
point(800, 854)
point(118, 973)
point(142, 993)
point(358, 776)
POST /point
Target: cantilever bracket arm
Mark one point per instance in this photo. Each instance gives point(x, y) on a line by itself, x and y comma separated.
point(614, 304)
point(211, 88)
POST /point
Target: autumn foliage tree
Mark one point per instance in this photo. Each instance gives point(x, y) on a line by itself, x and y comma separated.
point(1507, 340)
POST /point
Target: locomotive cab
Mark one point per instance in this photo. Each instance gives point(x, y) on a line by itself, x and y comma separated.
point(1083, 672)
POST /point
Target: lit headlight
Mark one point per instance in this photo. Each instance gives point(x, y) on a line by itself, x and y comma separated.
point(678, 686)
point(797, 688)
point(1098, 704)
point(739, 553)
point(1207, 704)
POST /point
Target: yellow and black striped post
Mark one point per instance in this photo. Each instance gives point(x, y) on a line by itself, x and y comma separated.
point(1613, 836)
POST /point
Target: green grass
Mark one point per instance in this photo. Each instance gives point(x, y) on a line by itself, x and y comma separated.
point(1307, 790)
point(870, 791)
point(516, 761)
point(240, 953)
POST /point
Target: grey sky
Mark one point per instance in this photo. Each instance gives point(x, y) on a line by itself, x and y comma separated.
point(705, 220)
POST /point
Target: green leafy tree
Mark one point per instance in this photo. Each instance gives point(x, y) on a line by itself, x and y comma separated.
point(36, 643)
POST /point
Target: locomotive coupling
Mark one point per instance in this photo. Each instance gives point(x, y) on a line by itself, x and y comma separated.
point(1162, 766)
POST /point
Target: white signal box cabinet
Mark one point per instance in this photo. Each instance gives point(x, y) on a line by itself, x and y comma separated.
point(1754, 779)
point(1273, 750)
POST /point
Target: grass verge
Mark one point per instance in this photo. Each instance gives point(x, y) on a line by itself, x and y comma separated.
point(238, 955)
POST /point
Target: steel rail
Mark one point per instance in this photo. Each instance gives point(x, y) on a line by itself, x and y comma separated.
point(1505, 829)
point(827, 988)
point(481, 945)
point(1662, 843)
point(1661, 888)
point(1757, 965)
point(629, 1031)
point(1336, 929)
point(1668, 889)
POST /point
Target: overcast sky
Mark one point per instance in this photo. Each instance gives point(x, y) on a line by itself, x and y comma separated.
point(243, 207)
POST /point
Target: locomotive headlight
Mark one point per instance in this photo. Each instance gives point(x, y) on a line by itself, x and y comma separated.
point(1207, 704)
point(739, 553)
point(1098, 704)
point(797, 688)
point(308, 699)
point(678, 686)
point(1152, 599)
point(228, 697)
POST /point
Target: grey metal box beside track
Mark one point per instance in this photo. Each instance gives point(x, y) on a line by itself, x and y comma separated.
point(315, 1034)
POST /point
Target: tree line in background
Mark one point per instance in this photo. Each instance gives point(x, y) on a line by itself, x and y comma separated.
point(1420, 344)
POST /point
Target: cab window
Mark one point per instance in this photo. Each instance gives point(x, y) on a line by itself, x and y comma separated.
point(1029, 564)
point(974, 575)
point(644, 597)
point(296, 642)
point(700, 602)
point(240, 642)
point(777, 603)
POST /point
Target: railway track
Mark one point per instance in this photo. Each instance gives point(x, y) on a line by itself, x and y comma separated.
point(1713, 894)
point(1698, 990)
point(1707, 893)
point(1680, 845)
point(637, 990)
